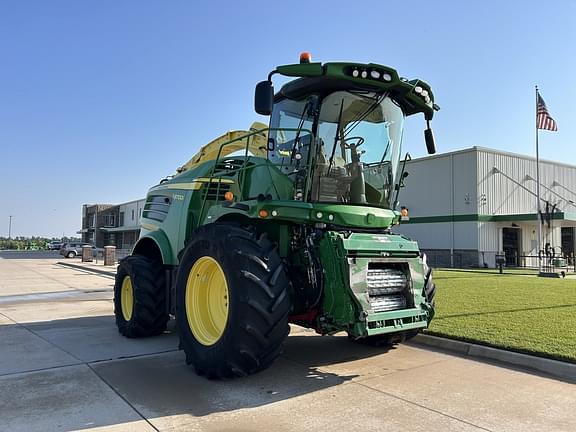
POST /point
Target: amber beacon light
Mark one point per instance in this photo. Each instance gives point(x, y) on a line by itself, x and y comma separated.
point(305, 57)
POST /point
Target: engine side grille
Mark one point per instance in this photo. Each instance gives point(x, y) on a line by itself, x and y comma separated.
point(386, 289)
point(216, 191)
point(156, 207)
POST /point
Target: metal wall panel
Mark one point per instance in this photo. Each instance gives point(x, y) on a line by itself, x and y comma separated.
point(428, 236)
point(428, 187)
point(465, 235)
point(488, 236)
point(512, 190)
point(464, 183)
point(441, 185)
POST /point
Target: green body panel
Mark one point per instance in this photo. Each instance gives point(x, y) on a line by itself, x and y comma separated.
point(381, 244)
point(301, 70)
point(402, 88)
point(346, 303)
point(301, 212)
point(349, 240)
point(159, 237)
point(342, 308)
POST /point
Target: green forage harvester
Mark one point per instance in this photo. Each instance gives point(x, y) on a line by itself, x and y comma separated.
point(286, 223)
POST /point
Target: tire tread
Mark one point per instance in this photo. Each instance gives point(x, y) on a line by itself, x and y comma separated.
point(149, 316)
point(263, 305)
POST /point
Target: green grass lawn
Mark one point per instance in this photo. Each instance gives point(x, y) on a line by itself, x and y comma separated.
point(516, 310)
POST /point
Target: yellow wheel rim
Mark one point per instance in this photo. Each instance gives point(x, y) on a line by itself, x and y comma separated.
point(127, 298)
point(207, 300)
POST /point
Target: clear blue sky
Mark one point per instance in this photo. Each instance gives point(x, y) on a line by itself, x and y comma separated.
point(101, 99)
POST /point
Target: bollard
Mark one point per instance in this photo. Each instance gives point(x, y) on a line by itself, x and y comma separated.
point(87, 253)
point(109, 255)
point(500, 261)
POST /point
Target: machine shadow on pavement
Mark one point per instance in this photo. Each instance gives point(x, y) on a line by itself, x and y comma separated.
point(151, 374)
point(162, 385)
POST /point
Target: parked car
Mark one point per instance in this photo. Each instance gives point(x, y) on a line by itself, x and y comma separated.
point(71, 250)
point(54, 245)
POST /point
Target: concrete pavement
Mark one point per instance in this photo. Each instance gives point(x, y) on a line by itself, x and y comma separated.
point(63, 366)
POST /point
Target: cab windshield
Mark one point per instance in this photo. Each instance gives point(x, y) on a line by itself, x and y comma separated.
point(357, 150)
point(360, 136)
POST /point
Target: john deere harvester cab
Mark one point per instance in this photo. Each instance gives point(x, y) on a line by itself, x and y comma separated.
point(288, 223)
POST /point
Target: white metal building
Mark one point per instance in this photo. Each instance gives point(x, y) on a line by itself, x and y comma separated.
point(467, 206)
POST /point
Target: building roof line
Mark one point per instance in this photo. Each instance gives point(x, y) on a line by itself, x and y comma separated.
point(109, 206)
point(130, 202)
point(490, 150)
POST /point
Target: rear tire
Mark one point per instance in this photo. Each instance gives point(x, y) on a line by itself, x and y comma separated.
point(140, 297)
point(232, 302)
point(70, 254)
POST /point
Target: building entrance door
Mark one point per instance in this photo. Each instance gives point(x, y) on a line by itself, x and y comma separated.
point(511, 246)
point(568, 249)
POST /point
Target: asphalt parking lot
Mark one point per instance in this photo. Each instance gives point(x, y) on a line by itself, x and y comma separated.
point(63, 366)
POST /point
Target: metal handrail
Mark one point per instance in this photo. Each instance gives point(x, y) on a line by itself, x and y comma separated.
point(242, 169)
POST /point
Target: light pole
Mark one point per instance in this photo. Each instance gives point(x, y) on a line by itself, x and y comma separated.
point(10, 228)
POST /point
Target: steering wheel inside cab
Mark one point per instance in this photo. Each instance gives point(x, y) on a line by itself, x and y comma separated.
point(348, 145)
point(352, 144)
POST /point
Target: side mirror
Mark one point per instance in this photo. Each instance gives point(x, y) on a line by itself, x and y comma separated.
point(264, 98)
point(429, 138)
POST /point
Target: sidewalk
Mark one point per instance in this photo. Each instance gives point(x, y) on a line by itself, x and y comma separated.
point(58, 331)
point(93, 267)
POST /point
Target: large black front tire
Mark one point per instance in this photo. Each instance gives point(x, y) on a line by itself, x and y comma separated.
point(145, 314)
point(256, 322)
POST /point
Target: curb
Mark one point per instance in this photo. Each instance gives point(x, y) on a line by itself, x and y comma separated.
point(88, 269)
point(551, 367)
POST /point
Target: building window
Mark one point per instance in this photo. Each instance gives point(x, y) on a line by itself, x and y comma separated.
point(132, 214)
point(109, 220)
point(121, 219)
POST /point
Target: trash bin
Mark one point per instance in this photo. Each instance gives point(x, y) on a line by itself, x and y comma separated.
point(109, 255)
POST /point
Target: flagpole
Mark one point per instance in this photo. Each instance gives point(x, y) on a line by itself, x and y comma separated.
point(539, 213)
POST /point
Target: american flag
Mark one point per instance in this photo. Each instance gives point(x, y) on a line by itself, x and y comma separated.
point(543, 119)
